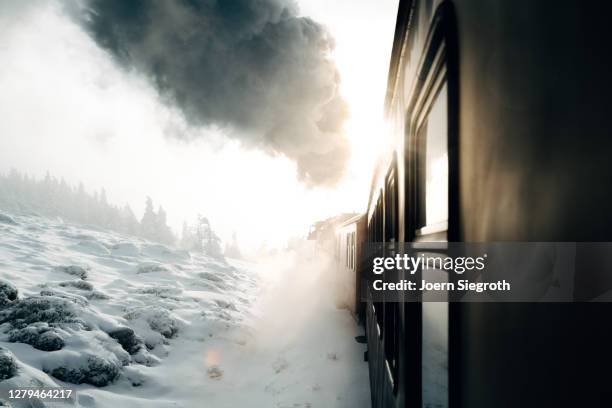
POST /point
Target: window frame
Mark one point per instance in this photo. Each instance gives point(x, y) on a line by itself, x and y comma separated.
point(435, 80)
point(390, 235)
point(438, 65)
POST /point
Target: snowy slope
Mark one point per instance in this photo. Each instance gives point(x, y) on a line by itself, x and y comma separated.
point(137, 324)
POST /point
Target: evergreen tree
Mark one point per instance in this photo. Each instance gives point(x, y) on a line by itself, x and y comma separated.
point(148, 223)
point(163, 232)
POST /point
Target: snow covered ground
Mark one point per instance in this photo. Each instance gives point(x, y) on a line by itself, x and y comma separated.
point(131, 323)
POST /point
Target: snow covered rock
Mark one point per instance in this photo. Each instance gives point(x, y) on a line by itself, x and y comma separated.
point(149, 267)
point(91, 306)
point(79, 368)
point(8, 366)
point(164, 292)
point(39, 335)
point(154, 323)
point(77, 284)
point(72, 297)
point(8, 293)
point(47, 309)
point(74, 270)
point(215, 372)
point(128, 339)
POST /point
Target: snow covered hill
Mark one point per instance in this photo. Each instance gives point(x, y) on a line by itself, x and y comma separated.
point(130, 323)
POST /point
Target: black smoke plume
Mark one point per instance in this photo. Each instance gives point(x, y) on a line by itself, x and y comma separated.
point(254, 67)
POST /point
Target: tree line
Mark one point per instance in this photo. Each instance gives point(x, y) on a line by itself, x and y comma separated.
point(55, 197)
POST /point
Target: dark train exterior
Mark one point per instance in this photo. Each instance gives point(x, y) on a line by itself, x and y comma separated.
point(500, 114)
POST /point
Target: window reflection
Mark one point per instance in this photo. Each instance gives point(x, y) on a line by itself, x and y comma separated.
point(433, 164)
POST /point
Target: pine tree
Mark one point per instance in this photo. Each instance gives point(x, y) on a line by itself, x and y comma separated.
point(148, 222)
point(163, 232)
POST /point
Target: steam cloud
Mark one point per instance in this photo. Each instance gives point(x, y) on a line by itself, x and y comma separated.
point(253, 66)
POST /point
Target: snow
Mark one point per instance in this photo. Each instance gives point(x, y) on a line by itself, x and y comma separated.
point(130, 323)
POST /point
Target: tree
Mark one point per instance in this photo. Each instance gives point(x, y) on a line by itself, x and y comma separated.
point(163, 232)
point(232, 249)
point(149, 221)
point(201, 238)
point(209, 242)
point(129, 223)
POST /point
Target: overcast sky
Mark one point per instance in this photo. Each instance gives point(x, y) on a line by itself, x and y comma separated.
point(69, 107)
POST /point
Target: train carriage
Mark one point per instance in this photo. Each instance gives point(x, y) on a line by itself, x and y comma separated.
point(500, 121)
point(349, 236)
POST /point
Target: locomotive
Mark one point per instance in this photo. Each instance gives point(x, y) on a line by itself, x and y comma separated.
point(500, 119)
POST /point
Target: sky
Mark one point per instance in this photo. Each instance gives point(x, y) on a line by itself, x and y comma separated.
point(70, 108)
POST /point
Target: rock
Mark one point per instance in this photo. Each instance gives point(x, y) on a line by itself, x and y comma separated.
point(78, 299)
point(78, 284)
point(210, 276)
point(74, 270)
point(47, 309)
point(158, 319)
point(162, 292)
point(8, 365)
point(149, 267)
point(215, 372)
point(97, 295)
point(128, 339)
point(145, 358)
point(40, 336)
point(8, 293)
point(93, 370)
point(225, 304)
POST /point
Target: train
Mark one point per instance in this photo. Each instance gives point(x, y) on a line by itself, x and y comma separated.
point(500, 131)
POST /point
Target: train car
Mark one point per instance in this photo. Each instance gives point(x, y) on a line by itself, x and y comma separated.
point(500, 119)
point(323, 233)
point(349, 237)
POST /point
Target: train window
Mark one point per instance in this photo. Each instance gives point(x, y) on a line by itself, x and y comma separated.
point(378, 222)
point(432, 167)
point(432, 218)
point(434, 354)
point(353, 251)
point(391, 317)
point(351, 240)
point(346, 251)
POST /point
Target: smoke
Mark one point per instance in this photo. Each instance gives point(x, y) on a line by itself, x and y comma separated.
point(252, 67)
point(297, 296)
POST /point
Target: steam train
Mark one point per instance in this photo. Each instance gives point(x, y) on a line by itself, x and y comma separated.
point(500, 114)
